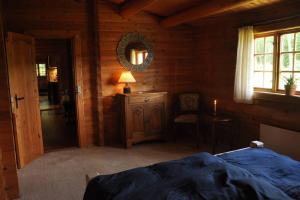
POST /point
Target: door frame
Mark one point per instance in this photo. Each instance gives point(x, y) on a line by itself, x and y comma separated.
point(75, 37)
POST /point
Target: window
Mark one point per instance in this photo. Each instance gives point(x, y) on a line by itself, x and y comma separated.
point(41, 70)
point(276, 57)
point(289, 57)
point(263, 62)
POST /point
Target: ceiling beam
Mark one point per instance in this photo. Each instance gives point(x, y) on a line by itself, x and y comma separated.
point(133, 7)
point(210, 8)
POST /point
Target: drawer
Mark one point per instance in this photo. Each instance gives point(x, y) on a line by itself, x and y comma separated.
point(145, 99)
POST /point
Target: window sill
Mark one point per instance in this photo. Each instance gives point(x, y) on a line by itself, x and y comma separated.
point(276, 98)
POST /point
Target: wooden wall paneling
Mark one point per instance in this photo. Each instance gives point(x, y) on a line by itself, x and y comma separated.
point(216, 59)
point(174, 48)
point(173, 62)
point(3, 195)
point(96, 46)
point(6, 133)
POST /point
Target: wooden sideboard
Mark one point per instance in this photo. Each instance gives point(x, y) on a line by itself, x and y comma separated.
point(143, 116)
point(2, 182)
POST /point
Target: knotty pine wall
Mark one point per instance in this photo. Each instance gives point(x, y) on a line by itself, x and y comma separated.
point(170, 70)
point(3, 195)
point(6, 136)
point(216, 59)
point(185, 60)
point(180, 63)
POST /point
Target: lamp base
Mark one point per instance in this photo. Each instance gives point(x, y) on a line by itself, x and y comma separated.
point(126, 90)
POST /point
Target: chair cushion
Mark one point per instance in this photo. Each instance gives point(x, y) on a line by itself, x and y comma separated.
point(188, 118)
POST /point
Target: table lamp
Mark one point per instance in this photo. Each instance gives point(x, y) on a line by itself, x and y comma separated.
point(126, 77)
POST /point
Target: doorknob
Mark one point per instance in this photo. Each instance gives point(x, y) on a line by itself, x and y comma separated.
point(17, 99)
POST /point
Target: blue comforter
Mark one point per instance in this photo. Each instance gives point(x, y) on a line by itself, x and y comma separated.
point(201, 176)
point(281, 171)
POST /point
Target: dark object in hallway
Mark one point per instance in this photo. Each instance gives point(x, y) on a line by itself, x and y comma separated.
point(53, 92)
point(56, 132)
point(69, 111)
point(69, 107)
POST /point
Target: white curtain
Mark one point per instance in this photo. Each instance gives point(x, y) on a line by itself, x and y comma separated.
point(243, 87)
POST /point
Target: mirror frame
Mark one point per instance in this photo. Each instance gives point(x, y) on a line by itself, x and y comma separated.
point(127, 39)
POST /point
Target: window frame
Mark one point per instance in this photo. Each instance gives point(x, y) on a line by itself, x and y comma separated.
point(263, 35)
point(276, 59)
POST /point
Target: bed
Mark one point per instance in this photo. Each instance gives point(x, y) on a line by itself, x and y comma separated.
point(250, 173)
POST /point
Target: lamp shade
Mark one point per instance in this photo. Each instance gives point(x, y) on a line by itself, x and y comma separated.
point(126, 77)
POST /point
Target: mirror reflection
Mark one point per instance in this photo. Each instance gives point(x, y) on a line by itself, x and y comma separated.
point(136, 53)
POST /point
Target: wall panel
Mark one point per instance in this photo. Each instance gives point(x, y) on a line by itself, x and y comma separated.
point(216, 59)
point(171, 68)
point(6, 133)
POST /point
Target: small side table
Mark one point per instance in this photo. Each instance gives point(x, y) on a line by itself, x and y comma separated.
point(219, 120)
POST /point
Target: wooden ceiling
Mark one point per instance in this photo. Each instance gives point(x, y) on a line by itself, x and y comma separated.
point(177, 12)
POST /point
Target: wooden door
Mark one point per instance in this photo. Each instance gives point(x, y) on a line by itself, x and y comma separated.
point(24, 97)
point(154, 121)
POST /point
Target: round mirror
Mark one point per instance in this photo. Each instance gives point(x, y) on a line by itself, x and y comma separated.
point(135, 52)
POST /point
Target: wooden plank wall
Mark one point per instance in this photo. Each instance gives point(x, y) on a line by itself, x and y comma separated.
point(216, 58)
point(3, 195)
point(177, 56)
point(6, 136)
point(180, 63)
point(171, 68)
point(22, 16)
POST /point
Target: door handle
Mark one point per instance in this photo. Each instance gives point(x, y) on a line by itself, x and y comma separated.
point(17, 99)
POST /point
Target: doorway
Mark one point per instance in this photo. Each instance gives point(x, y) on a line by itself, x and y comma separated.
point(24, 92)
point(54, 68)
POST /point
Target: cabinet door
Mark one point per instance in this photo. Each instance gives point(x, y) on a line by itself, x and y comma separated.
point(154, 119)
point(135, 121)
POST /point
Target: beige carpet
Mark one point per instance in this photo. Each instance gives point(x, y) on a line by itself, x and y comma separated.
point(60, 175)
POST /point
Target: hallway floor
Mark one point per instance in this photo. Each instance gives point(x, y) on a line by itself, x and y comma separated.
point(58, 132)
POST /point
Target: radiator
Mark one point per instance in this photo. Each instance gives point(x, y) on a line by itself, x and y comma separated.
point(283, 141)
